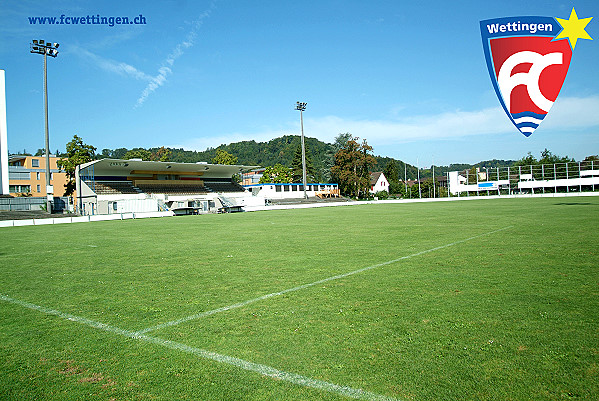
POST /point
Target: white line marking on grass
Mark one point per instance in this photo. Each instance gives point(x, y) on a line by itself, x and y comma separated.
point(301, 287)
point(264, 370)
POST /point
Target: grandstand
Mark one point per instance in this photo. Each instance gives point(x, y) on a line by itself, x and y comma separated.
point(120, 186)
point(531, 179)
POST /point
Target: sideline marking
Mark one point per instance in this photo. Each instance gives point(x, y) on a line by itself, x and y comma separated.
point(229, 360)
point(301, 287)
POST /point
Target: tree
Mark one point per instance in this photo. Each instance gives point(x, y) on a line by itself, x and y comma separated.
point(426, 188)
point(77, 153)
point(224, 157)
point(352, 167)
point(119, 153)
point(590, 162)
point(392, 174)
point(473, 175)
point(527, 160)
point(107, 153)
point(138, 153)
point(161, 154)
point(297, 166)
point(40, 152)
point(339, 143)
point(276, 174)
point(549, 158)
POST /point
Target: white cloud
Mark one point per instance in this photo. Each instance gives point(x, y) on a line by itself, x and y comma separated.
point(159, 80)
point(114, 66)
point(567, 113)
point(156, 81)
point(573, 112)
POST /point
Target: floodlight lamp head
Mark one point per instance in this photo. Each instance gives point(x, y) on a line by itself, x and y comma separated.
point(56, 45)
point(301, 106)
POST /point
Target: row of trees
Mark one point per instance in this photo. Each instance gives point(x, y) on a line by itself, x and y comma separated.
point(348, 162)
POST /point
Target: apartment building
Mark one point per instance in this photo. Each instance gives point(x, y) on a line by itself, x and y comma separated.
point(27, 176)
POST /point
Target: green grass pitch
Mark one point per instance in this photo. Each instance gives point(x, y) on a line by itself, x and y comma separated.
point(485, 300)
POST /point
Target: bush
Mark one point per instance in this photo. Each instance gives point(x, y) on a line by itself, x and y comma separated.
point(382, 195)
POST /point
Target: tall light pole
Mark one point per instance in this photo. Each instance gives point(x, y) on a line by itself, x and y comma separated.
point(301, 106)
point(47, 49)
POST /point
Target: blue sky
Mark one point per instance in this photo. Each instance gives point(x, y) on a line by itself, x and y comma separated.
point(410, 77)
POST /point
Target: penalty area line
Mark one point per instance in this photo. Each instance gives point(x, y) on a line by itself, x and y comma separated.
point(304, 286)
point(261, 369)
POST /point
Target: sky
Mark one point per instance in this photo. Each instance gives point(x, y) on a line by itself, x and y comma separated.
point(409, 77)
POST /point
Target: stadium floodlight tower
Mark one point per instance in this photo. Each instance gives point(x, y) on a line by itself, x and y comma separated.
point(47, 49)
point(301, 106)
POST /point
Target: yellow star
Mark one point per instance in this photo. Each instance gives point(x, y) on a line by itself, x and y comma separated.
point(573, 28)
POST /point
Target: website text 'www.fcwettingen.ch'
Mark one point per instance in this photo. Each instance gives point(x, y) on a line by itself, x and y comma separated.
point(88, 20)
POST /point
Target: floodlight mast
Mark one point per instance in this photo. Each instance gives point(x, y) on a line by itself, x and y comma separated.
point(47, 49)
point(301, 106)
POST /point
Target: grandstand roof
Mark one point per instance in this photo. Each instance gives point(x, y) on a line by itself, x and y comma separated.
point(125, 167)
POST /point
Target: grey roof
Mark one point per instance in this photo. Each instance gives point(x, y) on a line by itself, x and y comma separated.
point(374, 177)
point(123, 167)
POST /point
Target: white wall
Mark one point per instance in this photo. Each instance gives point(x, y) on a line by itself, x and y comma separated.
point(3, 139)
point(269, 191)
point(127, 206)
point(381, 185)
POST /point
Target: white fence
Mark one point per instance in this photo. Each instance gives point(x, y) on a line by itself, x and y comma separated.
point(83, 219)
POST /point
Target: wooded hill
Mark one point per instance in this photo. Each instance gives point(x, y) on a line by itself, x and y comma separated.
point(281, 150)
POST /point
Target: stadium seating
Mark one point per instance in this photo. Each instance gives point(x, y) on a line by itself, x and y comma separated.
point(223, 186)
point(163, 187)
point(176, 189)
point(112, 187)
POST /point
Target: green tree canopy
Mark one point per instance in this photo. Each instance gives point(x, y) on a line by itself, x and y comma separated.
point(392, 174)
point(549, 158)
point(297, 168)
point(161, 154)
point(352, 167)
point(546, 158)
point(276, 174)
point(77, 153)
point(138, 153)
point(224, 157)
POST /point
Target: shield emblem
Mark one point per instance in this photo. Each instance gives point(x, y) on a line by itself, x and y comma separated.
point(526, 65)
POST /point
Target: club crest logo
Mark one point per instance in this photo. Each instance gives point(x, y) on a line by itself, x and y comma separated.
point(528, 60)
